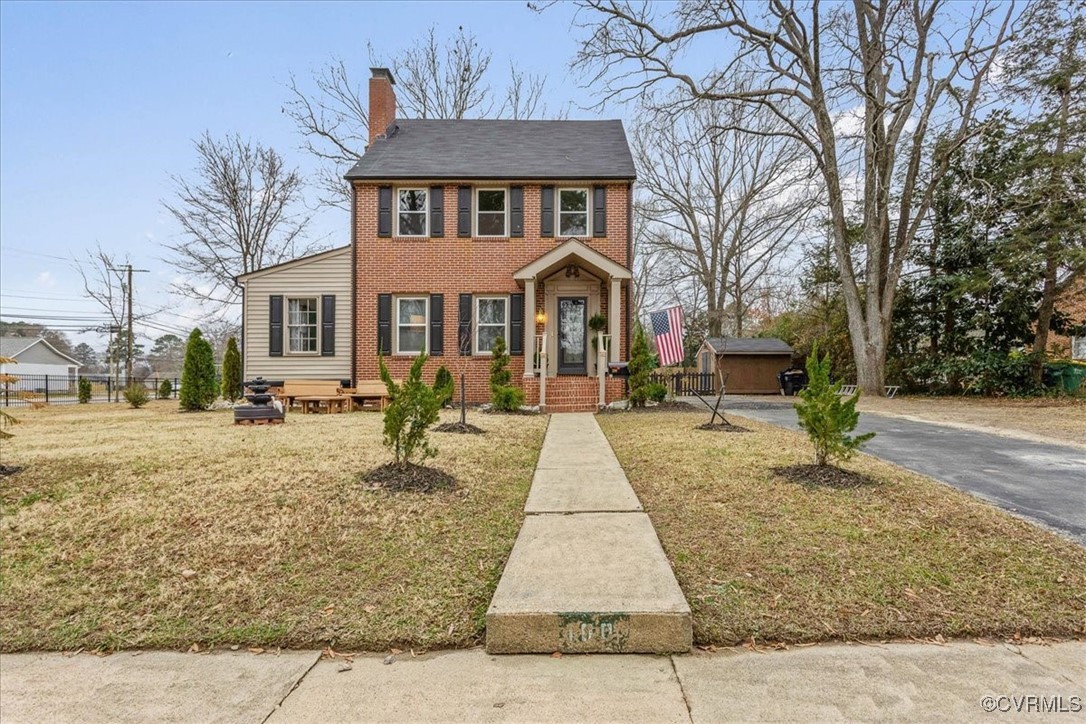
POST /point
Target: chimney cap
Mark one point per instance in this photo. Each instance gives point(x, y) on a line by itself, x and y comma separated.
point(383, 73)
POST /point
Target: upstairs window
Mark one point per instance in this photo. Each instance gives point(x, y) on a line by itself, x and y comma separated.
point(573, 212)
point(492, 212)
point(491, 322)
point(302, 325)
point(413, 208)
point(411, 319)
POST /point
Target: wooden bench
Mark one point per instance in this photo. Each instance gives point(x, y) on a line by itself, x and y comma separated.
point(368, 391)
point(294, 389)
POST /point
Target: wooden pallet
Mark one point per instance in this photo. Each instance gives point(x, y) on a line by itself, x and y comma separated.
point(260, 421)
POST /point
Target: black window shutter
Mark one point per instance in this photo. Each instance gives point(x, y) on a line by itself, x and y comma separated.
point(599, 211)
point(437, 211)
point(463, 332)
point(516, 324)
point(546, 211)
point(384, 211)
point(463, 211)
point(275, 325)
point(437, 325)
point(384, 324)
point(516, 211)
point(328, 325)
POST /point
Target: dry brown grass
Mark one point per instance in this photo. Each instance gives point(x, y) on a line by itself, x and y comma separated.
point(759, 556)
point(1060, 419)
point(154, 528)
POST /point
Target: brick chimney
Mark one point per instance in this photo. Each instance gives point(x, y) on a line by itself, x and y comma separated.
point(382, 103)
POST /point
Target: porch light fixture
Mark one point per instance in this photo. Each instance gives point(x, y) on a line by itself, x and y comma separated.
point(540, 317)
point(573, 272)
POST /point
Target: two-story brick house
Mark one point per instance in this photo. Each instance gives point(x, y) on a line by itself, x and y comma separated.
point(466, 230)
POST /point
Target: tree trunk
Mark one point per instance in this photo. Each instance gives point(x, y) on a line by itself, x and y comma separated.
point(463, 404)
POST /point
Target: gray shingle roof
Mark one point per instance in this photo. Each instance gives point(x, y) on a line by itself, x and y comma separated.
point(746, 345)
point(490, 149)
point(11, 346)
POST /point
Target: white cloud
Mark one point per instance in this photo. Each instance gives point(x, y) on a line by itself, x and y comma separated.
point(46, 280)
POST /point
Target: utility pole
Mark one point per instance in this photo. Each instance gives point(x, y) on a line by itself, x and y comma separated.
point(128, 361)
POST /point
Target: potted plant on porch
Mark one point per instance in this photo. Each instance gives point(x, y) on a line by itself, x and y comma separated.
point(597, 323)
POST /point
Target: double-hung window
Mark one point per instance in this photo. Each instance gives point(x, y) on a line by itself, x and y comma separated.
point(573, 212)
point(491, 322)
point(412, 212)
point(411, 324)
point(492, 212)
point(302, 325)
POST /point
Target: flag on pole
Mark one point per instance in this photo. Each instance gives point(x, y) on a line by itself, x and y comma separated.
point(667, 328)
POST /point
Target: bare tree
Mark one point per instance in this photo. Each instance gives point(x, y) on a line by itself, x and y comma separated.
point(238, 215)
point(435, 78)
point(904, 69)
point(103, 283)
point(721, 203)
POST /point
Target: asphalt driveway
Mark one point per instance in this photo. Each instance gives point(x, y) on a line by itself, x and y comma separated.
point(1045, 483)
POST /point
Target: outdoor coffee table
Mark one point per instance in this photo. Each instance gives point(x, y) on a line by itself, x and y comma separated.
point(329, 403)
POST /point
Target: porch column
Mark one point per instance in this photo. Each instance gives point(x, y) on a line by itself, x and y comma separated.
point(614, 302)
point(529, 327)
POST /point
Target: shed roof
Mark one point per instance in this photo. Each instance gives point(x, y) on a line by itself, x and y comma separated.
point(748, 345)
point(498, 149)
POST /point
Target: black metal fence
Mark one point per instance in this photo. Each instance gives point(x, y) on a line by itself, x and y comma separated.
point(686, 383)
point(62, 389)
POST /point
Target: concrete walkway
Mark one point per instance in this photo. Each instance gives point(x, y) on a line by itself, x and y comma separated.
point(587, 573)
point(1040, 482)
point(896, 682)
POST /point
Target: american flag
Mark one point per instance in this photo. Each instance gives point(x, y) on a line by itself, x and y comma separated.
point(667, 327)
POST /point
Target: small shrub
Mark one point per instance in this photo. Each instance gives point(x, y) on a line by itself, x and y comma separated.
point(657, 391)
point(198, 387)
point(136, 395)
point(507, 399)
point(503, 396)
point(640, 368)
point(826, 415)
point(165, 390)
point(443, 385)
point(231, 370)
point(85, 390)
point(412, 409)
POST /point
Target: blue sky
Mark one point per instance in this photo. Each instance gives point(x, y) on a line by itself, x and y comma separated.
point(99, 103)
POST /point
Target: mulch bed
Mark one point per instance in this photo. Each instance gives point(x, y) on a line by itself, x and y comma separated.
point(721, 427)
point(464, 428)
point(9, 470)
point(412, 478)
point(824, 476)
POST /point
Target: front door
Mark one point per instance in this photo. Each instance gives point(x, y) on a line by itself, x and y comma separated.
point(572, 337)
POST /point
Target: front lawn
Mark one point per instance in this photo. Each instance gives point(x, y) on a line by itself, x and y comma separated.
point(154, 528)
point(760, 557)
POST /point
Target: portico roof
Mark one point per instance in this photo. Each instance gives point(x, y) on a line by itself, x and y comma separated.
point(564, 254)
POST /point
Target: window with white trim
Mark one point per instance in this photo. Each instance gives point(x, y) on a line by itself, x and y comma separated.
point(412, 317)
point(302, 325)
point(573, 212)
point(491, 322)
point(413, 207)
point(492, 212)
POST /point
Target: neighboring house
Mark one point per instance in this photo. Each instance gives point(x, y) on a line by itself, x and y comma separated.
point(40, 365)
point(296, 318)
point(467, 230)
point(1072, 304)
point(751, 365)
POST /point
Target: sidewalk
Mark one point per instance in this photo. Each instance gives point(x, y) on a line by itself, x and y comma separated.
point(914, 682)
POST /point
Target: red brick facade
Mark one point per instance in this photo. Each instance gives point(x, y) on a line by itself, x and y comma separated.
point(451, 266)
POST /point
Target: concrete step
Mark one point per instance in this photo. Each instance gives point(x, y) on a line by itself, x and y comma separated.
point(588, 583)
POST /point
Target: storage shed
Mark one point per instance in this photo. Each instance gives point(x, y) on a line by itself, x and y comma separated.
point(751, 364)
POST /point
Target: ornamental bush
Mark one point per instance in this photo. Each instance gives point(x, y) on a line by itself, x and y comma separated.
point(640, 368)
point(136, 395)
point(165, 390)
point(443, 385)
point(503, 396)
point(198, 388)
point(413, 407)
point(85, 390)
point(826, 415)
point(231, 370)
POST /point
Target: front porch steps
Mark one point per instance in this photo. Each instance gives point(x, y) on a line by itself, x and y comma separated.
point(569, 393)
point(587, 573)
